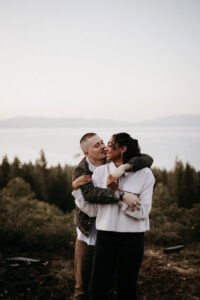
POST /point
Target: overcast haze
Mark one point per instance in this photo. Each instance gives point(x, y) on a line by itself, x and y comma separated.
point(119, 60)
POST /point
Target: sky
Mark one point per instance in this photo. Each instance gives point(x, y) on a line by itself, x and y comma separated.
point(101, 59)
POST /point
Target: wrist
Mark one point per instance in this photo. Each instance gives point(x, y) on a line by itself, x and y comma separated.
point(127, 167)
point(119, 195)
point(74, 186)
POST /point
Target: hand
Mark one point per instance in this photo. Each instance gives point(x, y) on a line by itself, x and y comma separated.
point(118, 172)
point(84, 179)
point(112, 183)
point(132, 200)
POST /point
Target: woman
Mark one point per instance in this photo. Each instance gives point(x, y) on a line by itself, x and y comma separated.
point(120, 231)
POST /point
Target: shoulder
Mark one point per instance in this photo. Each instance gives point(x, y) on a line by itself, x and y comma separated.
point(83, 163)
point(149, 177)
point(145, 173)
point(81, 168)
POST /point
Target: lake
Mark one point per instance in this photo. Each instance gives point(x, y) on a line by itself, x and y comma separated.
point(61, 145)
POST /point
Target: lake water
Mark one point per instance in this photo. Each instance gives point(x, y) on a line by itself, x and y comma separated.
point(61, 145)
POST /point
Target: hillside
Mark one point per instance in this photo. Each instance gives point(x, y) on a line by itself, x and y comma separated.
point(40, 122)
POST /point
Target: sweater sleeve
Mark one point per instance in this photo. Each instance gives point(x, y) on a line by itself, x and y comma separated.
point(86, 207)
point(145, 198)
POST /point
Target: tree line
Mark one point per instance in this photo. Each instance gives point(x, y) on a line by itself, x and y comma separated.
point(50, 184)
point(178, 187)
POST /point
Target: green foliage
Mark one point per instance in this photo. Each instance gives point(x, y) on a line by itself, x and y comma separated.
point(52, 185)
point(189, 185)
point(162, 197)
point(178, 180)
point(178, 187)
point(18, 188)
point(175, 213)
point(174, 225)
point(28, 223)
point(4, 172)
point(181, 186)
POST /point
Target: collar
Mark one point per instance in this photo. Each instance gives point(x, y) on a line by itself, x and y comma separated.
point(90, 165)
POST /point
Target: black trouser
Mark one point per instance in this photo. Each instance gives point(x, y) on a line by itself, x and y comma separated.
point(121, 250)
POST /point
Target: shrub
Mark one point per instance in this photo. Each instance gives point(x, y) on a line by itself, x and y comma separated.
point(29, 223)
point(174, 225)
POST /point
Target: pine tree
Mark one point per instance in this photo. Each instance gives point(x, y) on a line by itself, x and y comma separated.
point(16, 168)
point(40, 177)
point(4, 172)
point(188, 187)
point(178, 183)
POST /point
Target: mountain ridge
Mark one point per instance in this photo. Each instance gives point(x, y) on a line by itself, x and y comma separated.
point(43, 122)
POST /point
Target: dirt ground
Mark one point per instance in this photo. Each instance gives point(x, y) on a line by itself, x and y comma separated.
point(174, 276)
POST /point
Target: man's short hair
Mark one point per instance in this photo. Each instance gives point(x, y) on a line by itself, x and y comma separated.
point(84, 139)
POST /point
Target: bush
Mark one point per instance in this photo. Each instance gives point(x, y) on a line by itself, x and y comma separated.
point(174, 225)
point(29, 223)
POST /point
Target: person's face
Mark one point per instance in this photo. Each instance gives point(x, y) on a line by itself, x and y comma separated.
point(113, 150)
point(96, 148)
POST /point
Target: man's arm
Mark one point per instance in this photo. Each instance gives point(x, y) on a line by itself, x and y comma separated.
point(134, 164)
point(94, 194)
point(140, 162)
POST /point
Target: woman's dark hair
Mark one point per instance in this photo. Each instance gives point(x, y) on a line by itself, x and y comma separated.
point(124, 139)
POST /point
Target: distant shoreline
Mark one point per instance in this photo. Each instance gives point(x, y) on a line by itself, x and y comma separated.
point(170, 121)
point(61, 145)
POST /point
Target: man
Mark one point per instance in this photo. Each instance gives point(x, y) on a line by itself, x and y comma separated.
point(95, 155)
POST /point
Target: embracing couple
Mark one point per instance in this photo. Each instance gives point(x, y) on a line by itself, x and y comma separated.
point(113, 189)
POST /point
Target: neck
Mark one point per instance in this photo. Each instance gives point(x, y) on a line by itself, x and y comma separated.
point(97, 162)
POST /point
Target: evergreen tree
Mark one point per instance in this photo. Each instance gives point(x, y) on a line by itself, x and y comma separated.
point(27, 173)
point(4, 172)
point(59, 189)
point(161, 197)
point(16, 168)
point(178, 183)
point(188, 187)
point(197, 194)
point(40, 178)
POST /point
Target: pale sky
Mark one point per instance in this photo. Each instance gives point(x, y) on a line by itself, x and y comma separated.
point(121, 60)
